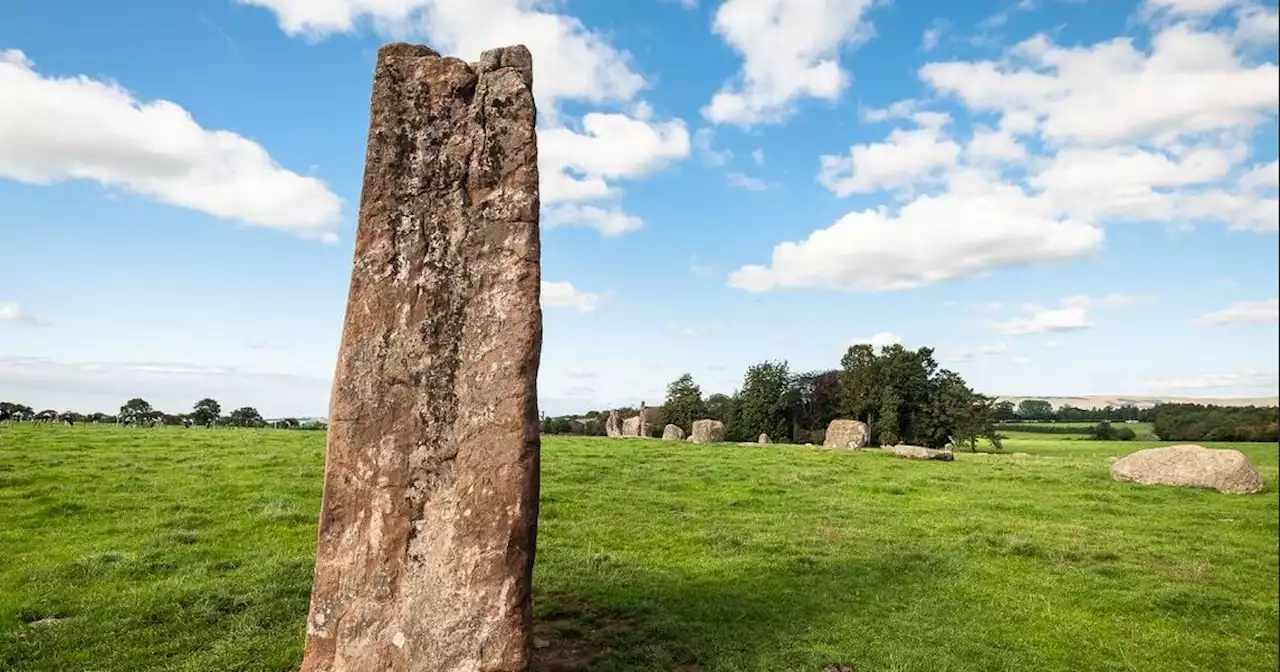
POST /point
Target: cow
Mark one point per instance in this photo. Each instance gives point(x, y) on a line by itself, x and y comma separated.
point(186, 423)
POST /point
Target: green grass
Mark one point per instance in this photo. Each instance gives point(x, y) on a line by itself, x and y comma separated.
point(162, 549)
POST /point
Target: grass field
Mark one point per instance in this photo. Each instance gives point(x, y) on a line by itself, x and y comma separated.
point(133, 550)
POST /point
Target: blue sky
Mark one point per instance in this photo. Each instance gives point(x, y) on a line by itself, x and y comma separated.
point(1062, 197)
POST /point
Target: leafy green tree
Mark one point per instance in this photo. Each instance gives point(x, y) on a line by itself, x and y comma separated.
point(765, 402)
point(1005, 410)
point(1125, 434)
point(683, 404)
point(206, 411)
point(1035, 409)
point(718, 407)
point(136, 410)
point(246, 416)
point(1103, 432)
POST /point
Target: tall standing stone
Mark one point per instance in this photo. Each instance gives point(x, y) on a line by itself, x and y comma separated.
point(429, 516)
point(612, 426)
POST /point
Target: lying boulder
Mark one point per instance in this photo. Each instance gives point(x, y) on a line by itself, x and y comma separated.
point(1190, 466)
point(672, 433)
point(846, 434)
point(920, 452)
point(707, 431)
point(764, 438)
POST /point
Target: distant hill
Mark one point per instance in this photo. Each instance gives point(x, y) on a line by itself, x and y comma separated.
point(1102, 400)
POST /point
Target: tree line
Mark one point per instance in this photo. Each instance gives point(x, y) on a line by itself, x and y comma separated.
point(1198, 422)
point(902, 395)
point(138, 411)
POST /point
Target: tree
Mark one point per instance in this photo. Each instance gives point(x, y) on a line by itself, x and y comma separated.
point(246, 416)
point(1103, 431)
point(817, 402)
point(765, 402)
point(1035, 409)
point(206, 411)
point(1125, 434)
point(136, 410)
point(683, 404)
point(718, 407)
point(1005, 410)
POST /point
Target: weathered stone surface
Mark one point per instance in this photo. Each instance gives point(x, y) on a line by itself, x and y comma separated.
point(631, 426)
point(1190, 466)
point(846, 434)
point(429, 514)
point(672, 433)
point(707, 431)
point(764, 438)
point(612, 426)
point(920, 452)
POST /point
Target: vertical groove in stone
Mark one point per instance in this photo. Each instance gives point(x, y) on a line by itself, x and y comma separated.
point(428, 521)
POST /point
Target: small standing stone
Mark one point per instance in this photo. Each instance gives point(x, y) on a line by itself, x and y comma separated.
point(707, 431)
point(764, 438)
point(846, 434)
point(672, 433)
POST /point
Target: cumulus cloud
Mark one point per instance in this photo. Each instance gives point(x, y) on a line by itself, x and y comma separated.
point(879, 340)
point(57, 129)
point(1241, 380)
point(1108, 302)
point(906, 156)
point(973, 227)
point(610, 221)
point(1266, 311)
point(572, 63)
point(565, 295)
point(1192, 82)
point(789, 52)
point(743, 181)
point(1043, 321)
point(610, 146)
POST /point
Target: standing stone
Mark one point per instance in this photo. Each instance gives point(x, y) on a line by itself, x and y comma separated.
point(920, 453)
point(846, 434)
point(764, 438)
point(707, 431)
point(429, 515)
point(611, 425)
point(672, 433)
point(1193, 466)
point(631, 426)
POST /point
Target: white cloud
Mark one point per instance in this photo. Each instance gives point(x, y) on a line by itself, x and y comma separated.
point(1051, 344)
point(757, 155)
point(702, 143)
point(905, 157)
point(565, 295)
point(575, 166)
point(789, 52)
point(55, 129)
point(608, 221)
point(572, 62)
point(933, 35)
point(700, 269)
point(1243, 380)
point(1256, 24)
point(1108, 302)
point(12, 312)
point(1022, 361)
point(169, 386)
point(993, 146)
point(970, 354)
point(1266, 311)
point(976, 226)
point(1192, 82)
point(746, 182)
point(1043, 321)
point(901, 109)
point(1189, 6)
point(1266, 176)
point(879, 340)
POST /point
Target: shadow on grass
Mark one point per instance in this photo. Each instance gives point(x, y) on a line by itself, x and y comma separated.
point(788, 615)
